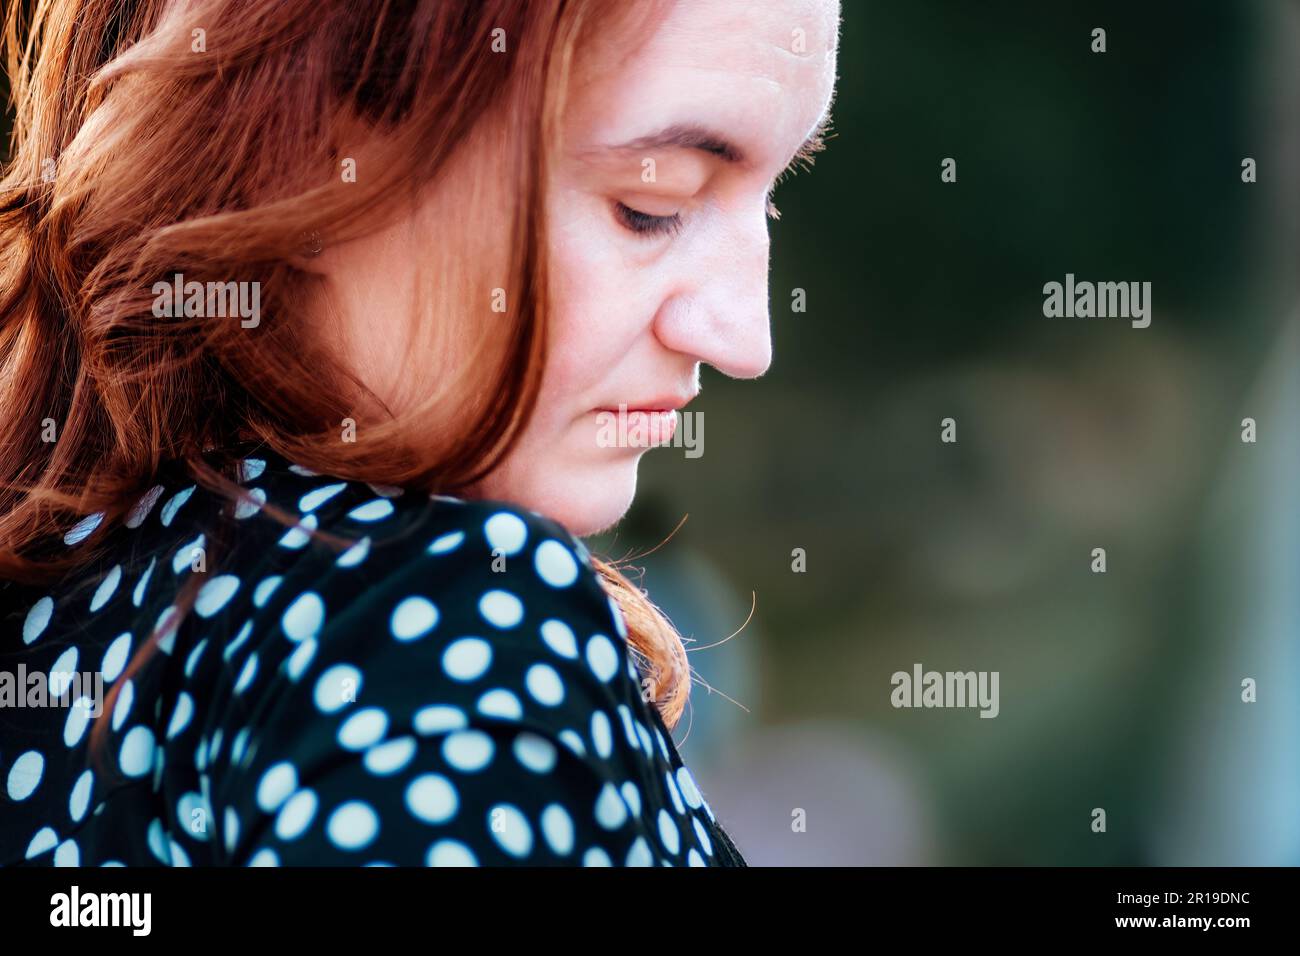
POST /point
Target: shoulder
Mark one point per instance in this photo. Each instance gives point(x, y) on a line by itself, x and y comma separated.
point(413, 580)
point(362, 555)
point(472, 639)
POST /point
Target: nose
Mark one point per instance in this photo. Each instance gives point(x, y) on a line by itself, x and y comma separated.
point(719, 316)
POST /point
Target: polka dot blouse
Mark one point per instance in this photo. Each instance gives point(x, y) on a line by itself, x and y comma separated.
point(452, 689)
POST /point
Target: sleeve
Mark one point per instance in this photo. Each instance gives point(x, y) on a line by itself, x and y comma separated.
point(456, 704)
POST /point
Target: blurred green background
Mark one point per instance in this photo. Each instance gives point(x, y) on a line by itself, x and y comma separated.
point(1121, 690)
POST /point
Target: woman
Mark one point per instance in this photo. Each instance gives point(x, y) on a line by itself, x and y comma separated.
point(311, 315)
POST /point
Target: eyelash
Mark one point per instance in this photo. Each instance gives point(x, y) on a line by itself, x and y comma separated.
point(644, 224)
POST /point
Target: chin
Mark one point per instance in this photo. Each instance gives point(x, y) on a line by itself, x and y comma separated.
point(586, 498)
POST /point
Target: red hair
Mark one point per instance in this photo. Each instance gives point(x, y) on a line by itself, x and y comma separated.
point(153, 137)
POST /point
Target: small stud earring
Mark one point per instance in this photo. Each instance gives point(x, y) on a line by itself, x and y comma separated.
point(312, 244)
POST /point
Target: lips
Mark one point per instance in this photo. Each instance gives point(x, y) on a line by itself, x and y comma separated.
point(661, 403)
point(653, 424)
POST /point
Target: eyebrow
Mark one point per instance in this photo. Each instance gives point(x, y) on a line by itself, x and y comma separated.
point(693, 136)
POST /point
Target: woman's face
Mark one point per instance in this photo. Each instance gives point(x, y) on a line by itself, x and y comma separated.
point(658, 245)
point(711, 108)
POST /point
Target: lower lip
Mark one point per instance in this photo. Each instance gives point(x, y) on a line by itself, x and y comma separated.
point(644, 428)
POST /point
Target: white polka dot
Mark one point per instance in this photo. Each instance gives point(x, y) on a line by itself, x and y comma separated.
point(510, 829)
point(37, 618)
point(174, 505)
point(703, 836)
point(276, 786)
point(363, 729)
point(644, 736)
point(249, 503)
point(67, 854)
point(353, 826)
point(388, 758)
point(559, 638)
point(632, 797)
point(468, 750)
point(337, 687)
point(668, 833)
point(663, 746)
point(640, 854)
point(437, 718)
point(233, 647)
point(296, 815)
point(78, 719)
point(247, 675)
point(431, 798)
point(298, 536)
point(115, 658)
point(450, 853)
point(231, 829)
point(83, 529)
point(571, 740)
point(300, 659)
point(602, 658)
point(596, 857)
point(501, 609)
point(620, 625)
point(187, 554)
point(694, 859)
point(314, 499)
point(500, 703)
point(355, 554)
point(376, 510)
point(557, 828)
point(25, 775)
point(304, 617)
point(44, 839)
point(265, 588)
point(628, 730)
point(62, 673)
point(535, 752)
point(80, 799)
point(467, 659)
point(602, 735)
point(214, 594)
point(545, 685)
point(238, 745)
point(136, 756)
point(413, 618)
point(122, 709)
point(446, 542)
point(166, 627)
point(387, 491)
point(678, 805)
point(264, 857)
point(181, 715)
point(689, 790)
point(555, 565)
point(505, 533)
point(137, 595)
point(250, 469)
point(140, 510)
point(106, 588)
point(611, 811)
point(191, 809)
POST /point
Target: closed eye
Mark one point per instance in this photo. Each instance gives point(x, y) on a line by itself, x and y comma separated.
point(644, 224)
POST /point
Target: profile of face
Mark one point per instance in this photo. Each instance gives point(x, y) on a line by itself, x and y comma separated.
point(657, 233)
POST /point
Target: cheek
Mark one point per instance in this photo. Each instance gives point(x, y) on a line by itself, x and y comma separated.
point(595, 308)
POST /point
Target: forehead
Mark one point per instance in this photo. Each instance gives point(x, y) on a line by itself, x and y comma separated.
point(761, 71)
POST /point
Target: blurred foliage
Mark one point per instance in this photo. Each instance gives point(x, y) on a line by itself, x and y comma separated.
point(924, 301)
